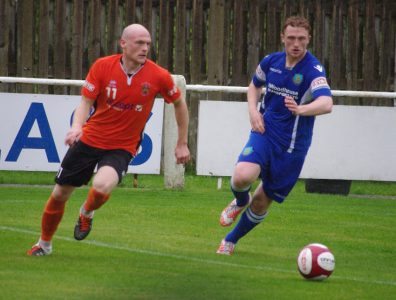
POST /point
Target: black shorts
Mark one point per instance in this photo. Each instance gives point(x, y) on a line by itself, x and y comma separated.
point(79, 163)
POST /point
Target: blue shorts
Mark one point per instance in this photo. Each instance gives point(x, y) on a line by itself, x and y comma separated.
point(279, 168)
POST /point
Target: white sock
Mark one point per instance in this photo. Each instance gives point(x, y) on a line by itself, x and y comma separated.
point(86, 213)
point(47, 246)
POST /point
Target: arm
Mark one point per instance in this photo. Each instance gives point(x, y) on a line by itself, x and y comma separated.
point(182, 153)
point(79, 119)
point(321, 105)
point(256, 119)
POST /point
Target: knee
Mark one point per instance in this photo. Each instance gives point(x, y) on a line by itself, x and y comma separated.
point(103, 186)
point(240, 180)
point(62, 193)
point(244, 175)
point(105, 180)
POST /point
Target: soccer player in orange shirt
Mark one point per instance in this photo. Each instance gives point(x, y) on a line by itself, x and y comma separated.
point(121, 90)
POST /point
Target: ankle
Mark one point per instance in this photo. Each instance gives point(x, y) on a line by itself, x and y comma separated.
point(86, 213)
point(46, 245)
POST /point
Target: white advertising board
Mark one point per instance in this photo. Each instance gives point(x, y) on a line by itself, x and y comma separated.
point(33, 128)
point(223, 130)
point(353, 142)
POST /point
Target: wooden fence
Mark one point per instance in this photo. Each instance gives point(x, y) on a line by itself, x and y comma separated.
point(217, 42)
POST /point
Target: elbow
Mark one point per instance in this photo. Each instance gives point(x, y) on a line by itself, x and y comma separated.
point(328, 108)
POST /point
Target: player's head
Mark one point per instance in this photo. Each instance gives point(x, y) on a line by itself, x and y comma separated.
point(296, 36)
point(135, 43)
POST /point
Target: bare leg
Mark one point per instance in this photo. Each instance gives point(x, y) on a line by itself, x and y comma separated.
point(104, 182)
point(260, 201)
point(245, 173)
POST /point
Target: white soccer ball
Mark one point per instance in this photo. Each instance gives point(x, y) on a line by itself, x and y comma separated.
point(315, 262)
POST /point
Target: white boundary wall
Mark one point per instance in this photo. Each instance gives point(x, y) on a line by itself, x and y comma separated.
point(60, 108)
point(210, 151)
point(353, 142)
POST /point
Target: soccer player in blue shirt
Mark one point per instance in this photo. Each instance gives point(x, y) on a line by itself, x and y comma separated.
point(296, 90)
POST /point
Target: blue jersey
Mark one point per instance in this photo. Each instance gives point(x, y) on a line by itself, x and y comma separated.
point(305, 82)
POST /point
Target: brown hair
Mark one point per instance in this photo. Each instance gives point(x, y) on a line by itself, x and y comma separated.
point(297, 21)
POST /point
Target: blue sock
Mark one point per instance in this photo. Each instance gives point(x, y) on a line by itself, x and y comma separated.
point(247, 222)
point(241, 195)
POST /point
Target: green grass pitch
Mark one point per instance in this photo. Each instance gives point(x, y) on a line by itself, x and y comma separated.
point(153, 243)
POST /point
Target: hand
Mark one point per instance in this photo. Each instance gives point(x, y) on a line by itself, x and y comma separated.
point(257, 121)
point(72, 136)
point(182, 154)
point(292, 105)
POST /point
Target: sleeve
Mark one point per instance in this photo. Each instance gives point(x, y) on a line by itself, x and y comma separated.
point(319, 86)
point(91, 86)
point(259, 77)
point(169, 90)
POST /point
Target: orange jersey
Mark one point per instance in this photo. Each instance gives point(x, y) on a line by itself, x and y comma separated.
point(123, 103)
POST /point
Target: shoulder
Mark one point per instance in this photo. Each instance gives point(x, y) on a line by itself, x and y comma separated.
point(316, 75)
point(313, 67)
point(108, 59)
point(105, 62)
point(149, 64)
point(272, 57)
point(278, 55)
point(155, 73)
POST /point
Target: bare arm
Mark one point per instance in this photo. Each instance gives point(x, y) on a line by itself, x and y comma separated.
point(256, 119)
point(182, 153)
point(79, 119)
point(322, 105)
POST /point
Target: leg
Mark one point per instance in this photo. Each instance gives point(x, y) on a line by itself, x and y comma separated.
point(51, 218)
point(112, 164)
point(105, 180)
point(277, 188)
point(252, 216)
point(260, 201)
point(54, 209)
point(245, 174)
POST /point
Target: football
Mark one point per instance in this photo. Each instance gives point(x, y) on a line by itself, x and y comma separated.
point(315, 262)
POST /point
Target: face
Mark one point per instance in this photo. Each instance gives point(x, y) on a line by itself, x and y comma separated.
point(296, 40)
point(135, 46)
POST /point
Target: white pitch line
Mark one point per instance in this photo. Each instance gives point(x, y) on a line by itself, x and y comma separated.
point(188, 258)
point(13, 201)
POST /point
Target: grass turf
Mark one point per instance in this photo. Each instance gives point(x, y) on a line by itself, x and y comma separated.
point(153, 243)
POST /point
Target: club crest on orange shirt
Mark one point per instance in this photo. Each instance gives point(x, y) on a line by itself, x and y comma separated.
point(145, 88)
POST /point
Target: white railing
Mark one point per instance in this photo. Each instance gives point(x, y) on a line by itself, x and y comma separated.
point(242, 89)
point(197, 87)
